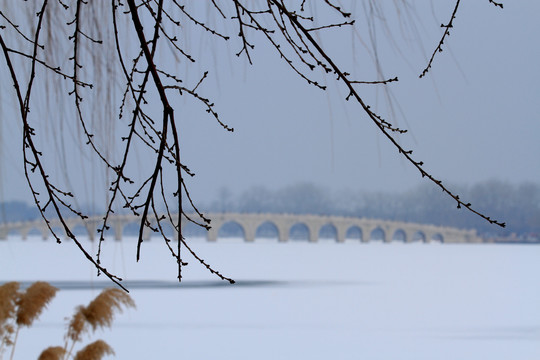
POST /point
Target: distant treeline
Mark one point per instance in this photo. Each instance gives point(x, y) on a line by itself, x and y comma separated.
point(13, 211)
point(517, 205)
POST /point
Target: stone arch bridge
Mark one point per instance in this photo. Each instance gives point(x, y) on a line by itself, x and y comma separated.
point(284, 227)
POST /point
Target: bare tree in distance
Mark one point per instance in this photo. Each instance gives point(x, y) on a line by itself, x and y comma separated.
point(107, 56)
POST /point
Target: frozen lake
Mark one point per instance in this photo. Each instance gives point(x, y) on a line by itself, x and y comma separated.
point(298, 300)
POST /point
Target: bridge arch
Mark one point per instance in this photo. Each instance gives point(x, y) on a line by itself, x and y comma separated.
point(231, 229)
point(34, 232)
point(328, 232)
point(419, 236)
point(16, 232)
point(299, 232)
point(399, 235)
point(437, 237)
point(59, 231)
point(79, 230)
point(377, 234)
point(192, 230)
point(354, 232)
point(131, 229)
point(167, 228)
point(267, 230)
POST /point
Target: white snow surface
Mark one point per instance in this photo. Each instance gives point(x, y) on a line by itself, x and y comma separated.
point(296, 300)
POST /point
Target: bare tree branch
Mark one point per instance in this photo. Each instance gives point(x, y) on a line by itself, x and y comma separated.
point(91, 35)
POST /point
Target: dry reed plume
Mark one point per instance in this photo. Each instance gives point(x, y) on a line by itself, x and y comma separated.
point(98, 314)
point(30, 304)
point(8, 304)
point(8, 297)
point(33, 301)
point(94, 351)
point(52, 353)
point(76, 325)
point(19, 309)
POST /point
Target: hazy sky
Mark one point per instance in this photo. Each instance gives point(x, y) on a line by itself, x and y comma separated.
point(476, 116)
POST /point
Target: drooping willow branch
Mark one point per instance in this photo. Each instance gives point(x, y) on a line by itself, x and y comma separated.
point(86, 30)
point(375, 118)
point(446, 33)
point(53, 193)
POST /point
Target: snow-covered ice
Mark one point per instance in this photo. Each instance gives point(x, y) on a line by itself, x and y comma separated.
point(298, 300)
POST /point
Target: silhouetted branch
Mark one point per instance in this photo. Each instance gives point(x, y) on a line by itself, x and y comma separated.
point(376, 119)
point(84, 33)
point(446, 33)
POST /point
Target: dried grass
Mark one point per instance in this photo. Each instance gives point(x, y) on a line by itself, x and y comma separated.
point(9, 293)
point(100, 311)
point(33, 301)
point(52, 353)
point(19, 309)
point(9, 330)
point(94, 351)
point(77, 325)
point(98, 314)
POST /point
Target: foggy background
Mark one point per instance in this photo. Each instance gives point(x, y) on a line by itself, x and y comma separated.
point(473, 118)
